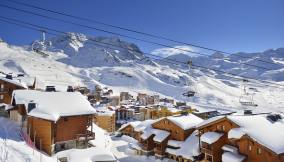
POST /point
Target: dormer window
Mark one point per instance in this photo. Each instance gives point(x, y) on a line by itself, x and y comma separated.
point(31, 106)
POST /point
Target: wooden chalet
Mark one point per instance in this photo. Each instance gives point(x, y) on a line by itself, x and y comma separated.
point(54, 121)
point(7, 85)
point(174, 128)
point(245, 138)
point(129, 129)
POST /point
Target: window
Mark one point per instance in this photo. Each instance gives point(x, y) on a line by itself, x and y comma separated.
point(223, 128)
point(249, 148)
point(2, 86)
point(176, 132)
point(1, 97)
point(65, 119)
point(258, 151)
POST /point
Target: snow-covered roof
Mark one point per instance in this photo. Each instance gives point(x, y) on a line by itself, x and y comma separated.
point(53, 105)
point(104, 111)
point(133, 124)
point(262, 130)
point(210, 120)
point(211, 137)
point(230, 148)
point(15, 82)
point(143, 125)
point(175, 143)
point(159, 135)
point(236, 133)
point(232, 157)
point(185, 121)
point(188, 152)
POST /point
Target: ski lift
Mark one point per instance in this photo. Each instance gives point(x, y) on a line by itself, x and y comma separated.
point(246, 99)
point(191, 92)
point(39, 46)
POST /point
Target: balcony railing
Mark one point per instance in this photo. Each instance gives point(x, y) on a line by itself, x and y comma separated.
point(206, 148)
point(207, 151)
point(3, 90)
point(158, 151)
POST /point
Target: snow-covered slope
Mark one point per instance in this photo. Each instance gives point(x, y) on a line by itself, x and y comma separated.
point(80, 61)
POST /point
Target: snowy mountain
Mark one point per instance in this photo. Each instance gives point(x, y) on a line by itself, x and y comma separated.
point(84, 51)
point(77, 59)
point(267, 65)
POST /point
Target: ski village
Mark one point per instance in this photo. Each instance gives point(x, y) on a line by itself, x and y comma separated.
point(100, 97)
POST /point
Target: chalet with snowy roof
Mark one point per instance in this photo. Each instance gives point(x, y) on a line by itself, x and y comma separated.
point(129, 129)
point(174, 129)
point(243, 138)
point(53, 120)
point(9, 83)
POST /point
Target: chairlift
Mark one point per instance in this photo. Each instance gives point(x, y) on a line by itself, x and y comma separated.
point(246, 99)
point(39, 46)
point(191, 92)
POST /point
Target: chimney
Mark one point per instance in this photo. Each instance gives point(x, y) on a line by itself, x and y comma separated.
point(9, 76)
point(31, 106)
point(247, 112)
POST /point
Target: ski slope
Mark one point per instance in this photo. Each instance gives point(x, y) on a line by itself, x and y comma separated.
point(79, 63)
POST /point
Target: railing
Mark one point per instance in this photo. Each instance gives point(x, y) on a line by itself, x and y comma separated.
point(206, 148)
point(207, 151)
point(158, 151)
point(3, 90)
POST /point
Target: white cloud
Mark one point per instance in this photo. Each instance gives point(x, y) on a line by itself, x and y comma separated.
point(165, 52)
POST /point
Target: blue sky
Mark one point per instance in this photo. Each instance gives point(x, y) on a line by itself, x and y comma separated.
point(228, 25)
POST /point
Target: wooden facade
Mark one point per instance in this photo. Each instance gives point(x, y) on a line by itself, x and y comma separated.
point(6, 91)
point(246, 146)
point(46, 134)
point(176, 133)
point(107, 121)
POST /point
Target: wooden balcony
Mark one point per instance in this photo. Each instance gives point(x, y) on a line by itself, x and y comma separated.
point(3, 90)
point(207, 151)
point(158, 151)
point(206, 148)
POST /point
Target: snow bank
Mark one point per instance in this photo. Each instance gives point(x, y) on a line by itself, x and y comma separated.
point(13, 148)
point(102, 138)
point(86, 155)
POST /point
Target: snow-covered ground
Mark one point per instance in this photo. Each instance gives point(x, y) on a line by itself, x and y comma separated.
point(14, 149)
point(123, 153)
